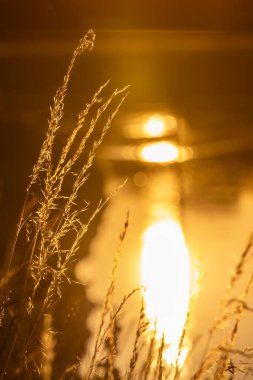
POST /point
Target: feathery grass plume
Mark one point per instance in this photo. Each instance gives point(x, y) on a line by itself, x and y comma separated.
point(241, 263)
point(112, 348)
point(54, 224)
point(48, 238)
point(44, 162)
point(158, 372)
point(185, 332)
point(218, 359)
point(45, 156)
point(141, 328)
point(116, 314)
point(107, 307)
point(110, 332)
point(47, 346)
point(150, 355)
point(176, 364)
point(224, 359)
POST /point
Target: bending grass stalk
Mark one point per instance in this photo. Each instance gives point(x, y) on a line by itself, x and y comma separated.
point(223, 363)
point(47, 237)
point(87, 42)
point(47, 245)
point(149, 360)
point(107, 301)
point(112, 347)
point(61, 272)
point(117, 312)
point(142, 326)
point(53, 286)
point(53, 184)
point(159, 363)
point(44, 162)
point(241, 264)
point(177, 368)
point(48, 347)
point(223, 349)
point(181, 345)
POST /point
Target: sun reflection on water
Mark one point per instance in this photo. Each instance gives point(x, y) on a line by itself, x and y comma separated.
point(151, 126)
point(154, 127)
point(165, 273)
point(157, 125)
point(159, 152)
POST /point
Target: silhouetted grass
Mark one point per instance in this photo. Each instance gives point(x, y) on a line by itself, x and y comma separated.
point(52, 224)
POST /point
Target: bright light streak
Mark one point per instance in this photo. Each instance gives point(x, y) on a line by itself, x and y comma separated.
point(160, 152)
point(166, 275)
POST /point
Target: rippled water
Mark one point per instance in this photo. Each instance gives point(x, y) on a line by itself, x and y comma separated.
point(210, 195)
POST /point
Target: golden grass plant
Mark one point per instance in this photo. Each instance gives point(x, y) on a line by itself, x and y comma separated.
point(52, 224)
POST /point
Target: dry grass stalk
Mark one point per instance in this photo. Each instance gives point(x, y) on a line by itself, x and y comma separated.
point(116, 314)
point(176, 365)
point(47, 346)
point(54, 225)
point(56, 215)
point(48, 238)
point(107, 307)
point(141, 328)
point(236, 275)
point(159, 362)
point(112, 348)
point(150, 355)
point(218, 360)
point(224, 360)
point(44, 162)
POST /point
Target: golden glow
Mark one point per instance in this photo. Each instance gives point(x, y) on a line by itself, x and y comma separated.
point(155, 127)
point(151, 126)
point(185, 153)
point(160, 152)
point(166, 275)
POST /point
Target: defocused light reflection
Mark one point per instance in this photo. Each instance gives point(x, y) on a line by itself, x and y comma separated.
point(159, 152)
point(152, 126)
point(186, 153)
point(140, 179)
point(165, 270)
